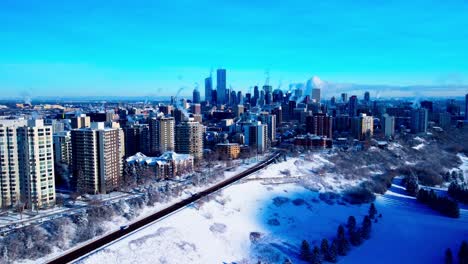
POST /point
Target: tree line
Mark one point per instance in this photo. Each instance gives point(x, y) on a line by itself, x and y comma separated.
point(462, 254)
point(458, 192)
point(442, 204)
point(340, 246)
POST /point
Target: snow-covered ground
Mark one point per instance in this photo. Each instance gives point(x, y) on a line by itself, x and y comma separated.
point(266, 216)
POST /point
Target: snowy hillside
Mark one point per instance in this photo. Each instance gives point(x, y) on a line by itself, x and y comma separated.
point(266, 216)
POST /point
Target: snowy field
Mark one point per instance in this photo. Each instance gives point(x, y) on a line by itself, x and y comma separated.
point(266, 216)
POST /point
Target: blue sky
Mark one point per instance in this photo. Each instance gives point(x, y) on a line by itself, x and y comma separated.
point(149, 48)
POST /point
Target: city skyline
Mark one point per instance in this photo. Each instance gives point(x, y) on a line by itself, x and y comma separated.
point(153, 49)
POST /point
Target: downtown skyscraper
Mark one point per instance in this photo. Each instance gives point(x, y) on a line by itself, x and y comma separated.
point(221, 85)
point(208, 89)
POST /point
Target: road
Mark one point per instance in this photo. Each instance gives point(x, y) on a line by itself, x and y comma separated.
point(78, 252)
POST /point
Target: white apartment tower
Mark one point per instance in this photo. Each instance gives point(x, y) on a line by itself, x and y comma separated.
point(9, 167)
point(36, 170)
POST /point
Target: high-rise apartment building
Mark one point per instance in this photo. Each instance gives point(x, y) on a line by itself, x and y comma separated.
point(189, 138)
point(9, 166)
point(466, 107)
point(137, 139)
point(80, 121)
point(97, 158)
point(319, 124)
point(388, 125)
point(419, 118)
point(362, 126)
point(221, 85)
point(62, 148)
point(366, 97)
point(353, 105)
point(36, 159)
point(270, 121)
point(256, 136)
point(161, 134)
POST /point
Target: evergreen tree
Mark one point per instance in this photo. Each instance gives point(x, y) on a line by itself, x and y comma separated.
point(351, 224)
point(333, 251)
point(372, 211)
point(343, 243)
point(411, 184)
point(448, 256)
point(463, 253)
point(316, 257)
point(355, 237)
point(366, 227)
point(324, 248)
point(305, 251)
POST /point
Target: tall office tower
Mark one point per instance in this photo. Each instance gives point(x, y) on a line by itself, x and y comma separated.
point(268, 94)
point(256, 95)
point(270, 121)
point(80, 121)
point(388, 125)
point(344, 97)
point(208, 89)
point(233, 98)
point(9, 166)
point(278, 96)
point(248, 97)
point(466, 107)
point(62, 148)
point(353, 105)
point(278, 112)
point(36, 170)
point(429, 105)
point(320, 124)
point(221, 85)
point(268, 98)
point(419, 118)
point(444, 119)
point(366, 97)
point(267, 88)
point(214, 97)
point(240, 98)
point(261, 100)
point(97, 158)
point(333, 100)
point(196, 96)
point(189, 138)
point(316, 95)
point(453, 108)
point(161, 134)
point(256, 136)
point(136, 139)
point(362, 127)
